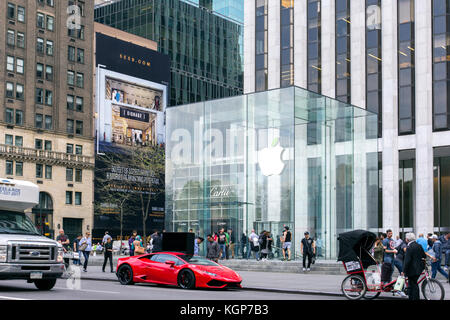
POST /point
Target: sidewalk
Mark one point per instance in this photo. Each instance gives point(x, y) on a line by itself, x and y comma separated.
point(306, 283)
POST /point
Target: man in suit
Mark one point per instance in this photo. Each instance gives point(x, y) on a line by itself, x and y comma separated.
point(413, 265)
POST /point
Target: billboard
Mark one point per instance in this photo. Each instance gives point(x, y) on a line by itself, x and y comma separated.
point(131, 99)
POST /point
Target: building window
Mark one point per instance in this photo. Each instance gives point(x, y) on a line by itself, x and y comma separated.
point(70, 126)
point(50, 3)
point(406, 67)
point(39, 119)
point(441, 189)
point(81, 33)
point(9, 167)
point(69, 148)
point(39, 96)
point(48, 97)
point(49, 73)
point(261, 26)
point(39, 170)
point(79, 127)
point(9, 115)
point(11, 38)
point(9, 90)
point(48, 122)
point(19, 66)
point(39, 70)
point(78, 175)
point(78, 198)
point(70, 102)
point(441, 72)
point(48, 172)
point(69, 174)
point(50, 23)
point(71, 54)
point(20, 39)
point(78, 149)
point(19, 117)
point(70, 78)
point(20, 91)
point(11, 11)
point(69, 197)
point(407, 190)
point(80, 55)
point(19, 169)
point(343, 52)
point(287, 43)
point(21, 14)
point(40, 20)
point(40, 45)
point(314, 46)
point(19, 141)
point(79, 104)
point(10, 63)
point(49, 48)
point(9, 139)
point(48, 145)
point(38, 144)
point(80, 80)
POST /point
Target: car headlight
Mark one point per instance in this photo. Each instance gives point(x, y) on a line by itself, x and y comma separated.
point(3, 253)
point(60, 256)
point(210, 274)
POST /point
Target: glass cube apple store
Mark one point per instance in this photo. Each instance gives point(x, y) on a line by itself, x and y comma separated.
point(262, 161)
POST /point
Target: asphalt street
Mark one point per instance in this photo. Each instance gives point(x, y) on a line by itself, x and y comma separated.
point(109, 290)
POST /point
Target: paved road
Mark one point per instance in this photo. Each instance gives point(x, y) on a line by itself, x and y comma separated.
point(101, 290)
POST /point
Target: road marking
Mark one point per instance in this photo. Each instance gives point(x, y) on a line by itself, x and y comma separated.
point(12, 298)
point(88, 290)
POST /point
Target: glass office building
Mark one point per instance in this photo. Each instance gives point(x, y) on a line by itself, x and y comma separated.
point(253, 162)
point(205, 48)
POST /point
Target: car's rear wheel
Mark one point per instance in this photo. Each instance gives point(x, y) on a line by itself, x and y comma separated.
point(45, 284)
point(125, 275)
point(186, 279)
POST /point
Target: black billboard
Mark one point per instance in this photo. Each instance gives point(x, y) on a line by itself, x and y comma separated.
point(127, 58)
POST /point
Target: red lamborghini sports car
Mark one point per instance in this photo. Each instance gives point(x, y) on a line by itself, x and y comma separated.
point(178, 269)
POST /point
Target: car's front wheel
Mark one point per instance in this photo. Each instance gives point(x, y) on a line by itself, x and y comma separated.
point(125, 275)
point(186, 279)
point(45, 284)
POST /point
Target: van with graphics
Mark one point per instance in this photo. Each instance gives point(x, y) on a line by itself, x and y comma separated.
point(24, 253)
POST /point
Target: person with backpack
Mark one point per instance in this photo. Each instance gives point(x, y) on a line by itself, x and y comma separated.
point(266, 245)
point(254, 244)
point(222, 241)
point(308, 249)
point(131, 241)
point(86, 248)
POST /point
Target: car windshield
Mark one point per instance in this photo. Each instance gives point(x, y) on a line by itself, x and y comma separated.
point(198, 260)
point(16, 223)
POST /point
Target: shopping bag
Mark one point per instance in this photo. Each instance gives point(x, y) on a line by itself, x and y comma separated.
point(399, 284)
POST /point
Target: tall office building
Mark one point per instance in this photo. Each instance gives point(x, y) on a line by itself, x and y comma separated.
point(387, 56)
point(46, 118)
point(204, 47)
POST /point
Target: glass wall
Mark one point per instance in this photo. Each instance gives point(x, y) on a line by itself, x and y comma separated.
point(406, 67)
point(441, 190)
point(261, 25)
point(244, 163)
point(287, 43)
point(407, 189)
point(441, 74)
point(314, 46)
point(343, 51)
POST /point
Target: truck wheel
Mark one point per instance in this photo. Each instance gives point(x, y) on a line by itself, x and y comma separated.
point(46, 284)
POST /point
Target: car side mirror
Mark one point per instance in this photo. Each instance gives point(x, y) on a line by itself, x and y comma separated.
point(171, 263)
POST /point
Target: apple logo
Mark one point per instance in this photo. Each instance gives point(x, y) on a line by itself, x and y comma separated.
point(269, 159)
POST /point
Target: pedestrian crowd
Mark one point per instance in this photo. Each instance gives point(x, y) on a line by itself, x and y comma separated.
point(408, 255)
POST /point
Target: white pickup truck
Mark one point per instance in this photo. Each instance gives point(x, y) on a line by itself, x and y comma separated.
point(24, 253)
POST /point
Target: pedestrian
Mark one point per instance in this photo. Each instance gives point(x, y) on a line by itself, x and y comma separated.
point(244, 246)
point(232, 245)
point(307, 248)
point(398, 241)
point(106, 237)
point(254, 243)
point(266, 245)
point(387, 269)
point(445, 247)
point(222, 241)
point(378, 250)
point(436, 264)
point(64, 241)
point(212, 249)
point(413, 265)
point(76, 249)
point(429, 241)
point(197, 243)
point(157, 241)
point(86, 248)
point(108, 254)
point(287, 241)
point(138, 246)
point(423, 242)
point(131, 241)
point(400, 256)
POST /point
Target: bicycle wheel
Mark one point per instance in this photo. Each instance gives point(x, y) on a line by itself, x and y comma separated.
point(370, 295)
point(432, 289)
point(353, 287)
